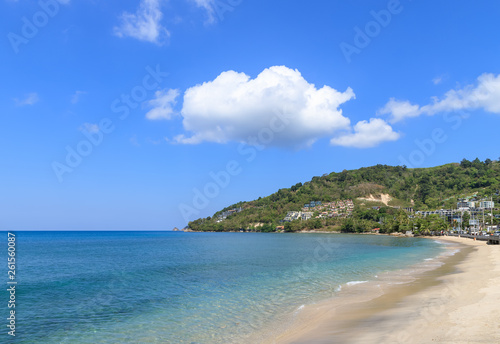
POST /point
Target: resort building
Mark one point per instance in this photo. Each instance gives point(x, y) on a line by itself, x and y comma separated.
point(443, 213)
point(486, 204)
point(221, 217)
point(298, 215)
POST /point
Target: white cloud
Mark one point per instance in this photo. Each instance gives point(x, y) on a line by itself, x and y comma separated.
point(367, 134)
point(399, 110)
point(484, 95)
point(234, 107)
point(75, 98)
point(145, 24)
point(30, 99)
point(89, 127)
point(162, 104)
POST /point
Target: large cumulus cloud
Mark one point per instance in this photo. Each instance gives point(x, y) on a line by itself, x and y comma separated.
point(234, 107)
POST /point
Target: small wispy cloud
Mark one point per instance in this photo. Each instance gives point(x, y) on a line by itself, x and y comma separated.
point(399, 110)
point(437, 80)
point(216, 9)
point(29, 99)
point(162, 105)
point(75, 98)
point(145, 24)
point(89, 127)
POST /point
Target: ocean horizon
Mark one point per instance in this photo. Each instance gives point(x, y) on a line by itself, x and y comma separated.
point(175, 287)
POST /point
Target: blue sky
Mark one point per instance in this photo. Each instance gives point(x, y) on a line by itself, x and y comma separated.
point(144, 114)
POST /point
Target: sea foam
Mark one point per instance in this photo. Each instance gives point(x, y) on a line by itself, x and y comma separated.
point(355, 282)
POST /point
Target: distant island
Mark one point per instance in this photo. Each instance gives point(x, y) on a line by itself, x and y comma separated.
point(381, 198)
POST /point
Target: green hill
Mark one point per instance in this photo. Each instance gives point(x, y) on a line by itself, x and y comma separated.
point(390, 187)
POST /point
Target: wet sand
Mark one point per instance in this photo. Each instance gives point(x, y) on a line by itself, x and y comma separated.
point(455, 301)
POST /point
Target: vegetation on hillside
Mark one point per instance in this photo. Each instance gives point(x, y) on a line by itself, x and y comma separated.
point(420, 188)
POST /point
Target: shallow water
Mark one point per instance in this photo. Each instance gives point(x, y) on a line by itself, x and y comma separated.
point(367, 312)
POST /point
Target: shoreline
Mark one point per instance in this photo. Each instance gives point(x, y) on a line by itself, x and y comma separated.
point(454, 302)
point(395, 234)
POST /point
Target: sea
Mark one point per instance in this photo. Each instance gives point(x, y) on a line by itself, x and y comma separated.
point(176, 287)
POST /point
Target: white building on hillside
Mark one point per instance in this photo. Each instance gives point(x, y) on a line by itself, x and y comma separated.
point(486, 204)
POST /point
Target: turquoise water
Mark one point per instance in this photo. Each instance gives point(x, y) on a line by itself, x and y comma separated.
point(170, 287)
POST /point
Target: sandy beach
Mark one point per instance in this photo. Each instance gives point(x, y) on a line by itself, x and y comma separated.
point(458, 301)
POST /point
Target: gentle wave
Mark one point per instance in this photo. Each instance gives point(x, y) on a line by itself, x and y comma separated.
point(355, 282)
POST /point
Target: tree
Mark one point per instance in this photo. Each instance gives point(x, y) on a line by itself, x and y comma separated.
point(316, 223)
point(268, 227)
point(404, 221)
point(465, 220)
point(347, 226)
point(465, 163)
point(477, 164)
point(296, 187)
point(425, 188)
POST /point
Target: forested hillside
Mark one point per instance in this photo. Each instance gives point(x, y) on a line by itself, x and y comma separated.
point(421, 188)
